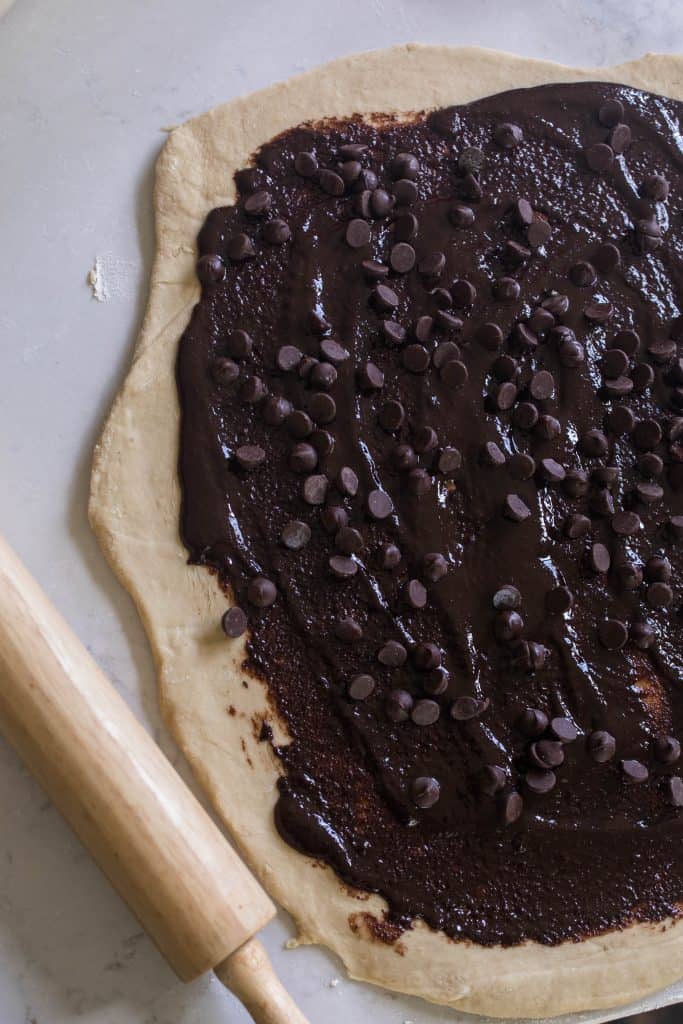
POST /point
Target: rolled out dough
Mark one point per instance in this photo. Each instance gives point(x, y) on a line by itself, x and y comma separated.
point(134, 510)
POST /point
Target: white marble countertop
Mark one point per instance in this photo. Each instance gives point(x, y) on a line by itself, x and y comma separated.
point(85, 88)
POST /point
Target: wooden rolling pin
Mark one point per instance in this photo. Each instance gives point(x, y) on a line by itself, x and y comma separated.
point(151, 837)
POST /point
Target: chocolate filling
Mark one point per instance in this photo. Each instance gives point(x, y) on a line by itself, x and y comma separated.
point(432, 439)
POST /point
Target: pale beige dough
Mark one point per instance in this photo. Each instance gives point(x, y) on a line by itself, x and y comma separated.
point(134, 511)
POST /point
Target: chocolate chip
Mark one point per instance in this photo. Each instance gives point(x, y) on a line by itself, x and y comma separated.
point(542, 385)
point(331, 182)
point(599, 558)
point(515, 254)
point(507, 135)
point(613, 634)
point(635, 771)
point(424, 791)
point(599, 157)
point(434, 566)
point(606, 258)
point(381, 203)
point(575, 483)
point(342, 567)
point(649, 493)
point(505, 289)
point(666, 749)
point(415, 358)
point(352, 151)
point(348, 540)
point(642, 376)
point(405, 165)
point(444, 300)
point(322, 408)
point(463, 293)
point(594, 443)
point(305, 164)
point(390, 556)
point(210, 269)
point(539, 232)
point(515, 509)
point(239, 247)
point(374, 271)
point(415, 594)
point(541, 320)
point(464, 709)
point(323, 375)
point(234, 622)
point(450, 461)
point(295, 535)
point(521, 466)
point(432, 266)
point(370, 377)
point(261, 592)
point(423, 327)
point(239, 344)
point(333, 352)
point(508, 625)
point(576, 526)
point(392, 654)
point(525, 416)
point(288, 358)
point(425, 712)
point(435, 682)
point(491, 779)
point(384, 299)
point(444, 352)
point(505, 396)
point(611, 113)
point(402, 257)
point(350, 170)
point(357, 233)
point(393, 333)
point(642, 635)
point(618, 387)
point(333, 517)
point(224, 371)
point(399, 705)
point(540, 780)
point(491, 455)
point(404, 457)
point(504, 368)
point(563, 729)
point(532, 722)
point(379, 504)
point(523, 212)
point(258, 203)
point(426, 656)
point(425, 439)
point(253, 390)
point(602, 502)
point(620, 138)
point(572, 353)
point(249, 456)
point(655, 187)
point(675, 526)
point(306, 367)
point(511, 806)
point(454, 374)
point(673, 789)
point(277, 231)
point(299, 423)
point(626, 524)
point(556, 304)
point(461, 216)
point(583, 274)
point(601, 746)
point(648, 235)
point(405, 227)
point(597, 311)
point(405, 192)
point(490, 336)
point(546, 754)
point(620, 420)
point(314, 490)
point(361, 687)
point(559, 600)
point(659, 595)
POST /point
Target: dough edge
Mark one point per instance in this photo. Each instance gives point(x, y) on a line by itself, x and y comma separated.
point(134, 509)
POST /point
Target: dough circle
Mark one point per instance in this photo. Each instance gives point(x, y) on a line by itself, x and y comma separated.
point(134, 510)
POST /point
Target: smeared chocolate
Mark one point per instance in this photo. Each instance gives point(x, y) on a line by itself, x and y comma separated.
point(431, 438)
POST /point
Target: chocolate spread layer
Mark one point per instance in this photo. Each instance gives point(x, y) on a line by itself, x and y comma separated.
point(432, 439)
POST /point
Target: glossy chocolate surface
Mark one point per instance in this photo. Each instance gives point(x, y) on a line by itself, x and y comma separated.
point(464, 332)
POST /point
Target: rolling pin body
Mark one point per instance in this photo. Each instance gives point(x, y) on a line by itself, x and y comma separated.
point(145, 829)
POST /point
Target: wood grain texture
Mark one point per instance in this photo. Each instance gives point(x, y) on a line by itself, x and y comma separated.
point(248, 974)
point(127, 804)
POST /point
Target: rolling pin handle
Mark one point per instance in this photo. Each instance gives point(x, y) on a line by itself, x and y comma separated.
point(249, 975)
